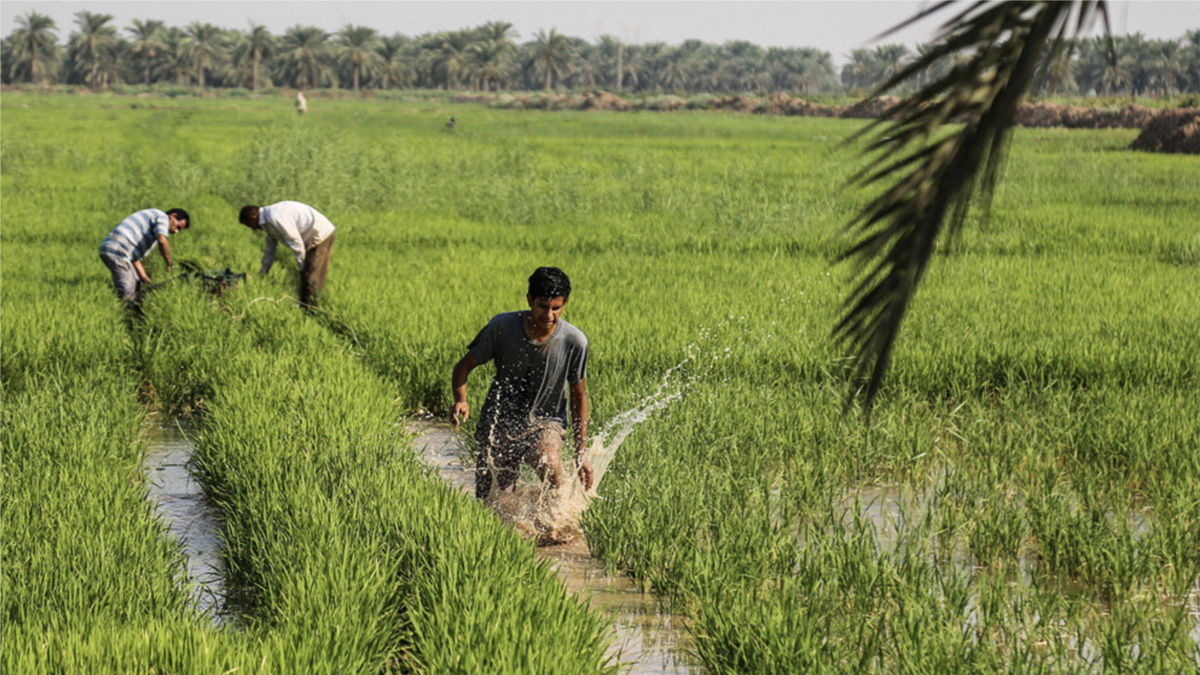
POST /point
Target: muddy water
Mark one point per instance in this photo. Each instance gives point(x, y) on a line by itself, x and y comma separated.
point(647, 640)
point(190, 519)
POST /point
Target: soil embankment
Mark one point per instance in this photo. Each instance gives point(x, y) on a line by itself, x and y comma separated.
point(1176, 130)
point(1172, 131)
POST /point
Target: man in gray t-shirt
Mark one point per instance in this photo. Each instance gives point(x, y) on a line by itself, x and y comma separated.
point(541, 361)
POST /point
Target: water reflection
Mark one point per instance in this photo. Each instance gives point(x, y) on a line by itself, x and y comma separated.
point(190, 519)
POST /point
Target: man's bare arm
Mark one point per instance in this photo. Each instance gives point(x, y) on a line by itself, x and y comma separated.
point(165, 248)
point(141, 271)
point(458, 384)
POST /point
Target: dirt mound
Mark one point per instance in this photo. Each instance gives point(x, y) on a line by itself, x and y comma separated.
point(735, 103)
point(603, 100)
point(1171, 131)
point(870, 108)
point(1132, 116)
point(782, 104)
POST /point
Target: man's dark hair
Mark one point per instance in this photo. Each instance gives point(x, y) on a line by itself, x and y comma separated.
point(180, 214)
point(248, 211)
point(549, 282)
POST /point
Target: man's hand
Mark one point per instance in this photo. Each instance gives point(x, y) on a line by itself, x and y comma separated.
point(458, 387)
point(586, 473)
point(462, 412)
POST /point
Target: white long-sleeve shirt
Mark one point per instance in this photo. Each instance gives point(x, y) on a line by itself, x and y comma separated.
point(298, 226)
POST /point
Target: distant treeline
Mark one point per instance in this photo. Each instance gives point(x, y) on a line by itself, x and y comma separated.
point(489, 58)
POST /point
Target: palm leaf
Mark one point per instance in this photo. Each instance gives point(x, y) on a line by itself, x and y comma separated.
point(934, 175)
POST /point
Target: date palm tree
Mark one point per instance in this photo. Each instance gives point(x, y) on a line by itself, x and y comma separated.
point(606, 59)
point(304, 57)
point(399, 55)
point(359, 51)
point(445, 57)
point(255, 45)
point(492, 57)
point(32, 48)
point(551, 54)
point(176, 64)
point(207, 47)
point(1166, 68)
point(147, 44)
point(928, 179)
point(500, 31)
point(490, 63)
point(93, 48)
point(745, 67)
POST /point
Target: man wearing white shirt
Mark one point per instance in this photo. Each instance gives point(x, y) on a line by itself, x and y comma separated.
point(301, 228)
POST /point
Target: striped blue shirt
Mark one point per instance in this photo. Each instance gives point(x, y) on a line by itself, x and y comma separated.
point(136, 235)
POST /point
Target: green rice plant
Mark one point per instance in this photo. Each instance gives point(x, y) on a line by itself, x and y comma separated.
point(1040, 412)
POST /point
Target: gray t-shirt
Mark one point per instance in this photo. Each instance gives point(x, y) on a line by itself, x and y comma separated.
point(530, 386)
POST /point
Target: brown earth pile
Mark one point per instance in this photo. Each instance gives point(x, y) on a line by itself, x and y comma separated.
point(603, 100)
point(1171, 131)
point(782, 104)
point(870, 108)
point(735, 103)
point(1131, 116)
point(1163, 131)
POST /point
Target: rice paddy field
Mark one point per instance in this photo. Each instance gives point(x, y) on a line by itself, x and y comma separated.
point(1023, 499)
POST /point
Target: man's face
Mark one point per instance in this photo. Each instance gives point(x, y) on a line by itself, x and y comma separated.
point(174, 224)
point(251, 221)
point(544, 312)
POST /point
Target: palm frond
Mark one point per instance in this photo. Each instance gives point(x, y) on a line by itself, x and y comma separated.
point(995, 48)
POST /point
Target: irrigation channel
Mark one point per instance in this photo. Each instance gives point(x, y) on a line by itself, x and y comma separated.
point(191, 520)
point(647, 639)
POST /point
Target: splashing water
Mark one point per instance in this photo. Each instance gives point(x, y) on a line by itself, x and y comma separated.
point(551, 514)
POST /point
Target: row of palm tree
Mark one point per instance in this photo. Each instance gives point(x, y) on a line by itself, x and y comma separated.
point(1135, 66)
point(486, 58)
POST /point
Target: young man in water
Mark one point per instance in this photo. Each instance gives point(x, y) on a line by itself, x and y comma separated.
point(540, 360)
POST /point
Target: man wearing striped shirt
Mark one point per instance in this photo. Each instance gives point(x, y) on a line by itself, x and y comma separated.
point(123, 249)
point(301, 228)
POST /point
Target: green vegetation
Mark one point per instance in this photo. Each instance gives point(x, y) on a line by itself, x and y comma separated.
point(1038, 429)
point(491, 57)
point(351, 558)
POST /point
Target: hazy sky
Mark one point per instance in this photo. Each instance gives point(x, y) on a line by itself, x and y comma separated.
point(836, 27)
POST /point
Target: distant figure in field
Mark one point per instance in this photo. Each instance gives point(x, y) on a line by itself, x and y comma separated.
point(540, 358)
point(123, 249)
point(451, 123)
point(301, 228)
point(301, 103)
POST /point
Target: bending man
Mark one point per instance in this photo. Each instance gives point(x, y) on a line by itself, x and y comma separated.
point(539, 359)
point(123, 249)
point(301, 228)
